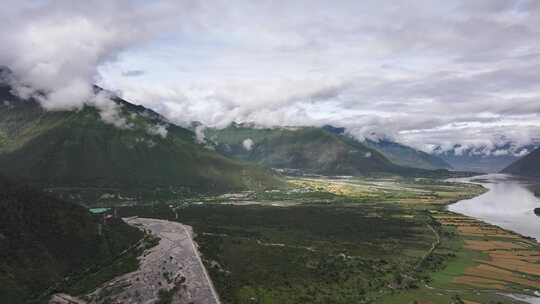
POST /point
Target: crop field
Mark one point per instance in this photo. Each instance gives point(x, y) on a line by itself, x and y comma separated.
point(481, 262)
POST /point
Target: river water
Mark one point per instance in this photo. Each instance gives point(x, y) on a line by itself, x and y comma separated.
point(508, 204)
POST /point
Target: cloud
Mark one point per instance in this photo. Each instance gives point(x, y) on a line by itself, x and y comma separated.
point(158, 129)
point(247, 144)
point(200, 137)
point(109, 111)
point(133, 73)
point(55, 48)
point(426, 73)
point(437, 75)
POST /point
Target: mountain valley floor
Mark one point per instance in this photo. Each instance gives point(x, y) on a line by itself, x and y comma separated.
point(354, 240)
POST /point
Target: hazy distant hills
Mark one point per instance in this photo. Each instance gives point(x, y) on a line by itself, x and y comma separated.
point(478, 160)
point(529, 165)
point(407, 156)
point(317, 150)
point(400, 154)
point(309, 149)
point(78, 149)
point(43, 239)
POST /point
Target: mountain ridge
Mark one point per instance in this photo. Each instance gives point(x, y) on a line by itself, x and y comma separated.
point(398, 153)
point(318, 150)
point(482, 159)
point(407, 156)
point(528, 165)
point(79, 149)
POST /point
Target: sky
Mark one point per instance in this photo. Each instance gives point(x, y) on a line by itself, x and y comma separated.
point(425, 73)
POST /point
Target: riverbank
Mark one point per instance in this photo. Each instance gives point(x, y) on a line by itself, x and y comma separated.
point(482, 263)
point(170, 272)
point(509, 204)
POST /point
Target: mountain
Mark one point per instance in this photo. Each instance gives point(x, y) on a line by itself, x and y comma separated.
point(399, 154)
point(44, 239)
point(143, 152)
point(482, 159)
point(407, 156)
point(310, 149)
point(529, 165)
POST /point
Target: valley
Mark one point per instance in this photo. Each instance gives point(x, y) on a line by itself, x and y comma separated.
point(334, 240)
point(270, 152)
point(279, 215)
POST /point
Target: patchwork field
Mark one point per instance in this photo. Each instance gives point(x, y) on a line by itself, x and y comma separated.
point(481, 263)
point(510, 258)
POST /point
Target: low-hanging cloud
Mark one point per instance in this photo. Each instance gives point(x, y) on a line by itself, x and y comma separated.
point(247, 144)
point(54, 48)
point(439, 74)
point(133, 73)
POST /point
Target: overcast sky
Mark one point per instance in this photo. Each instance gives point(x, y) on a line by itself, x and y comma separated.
point(426, 73)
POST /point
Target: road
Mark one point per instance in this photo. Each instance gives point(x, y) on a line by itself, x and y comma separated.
point(433, 246)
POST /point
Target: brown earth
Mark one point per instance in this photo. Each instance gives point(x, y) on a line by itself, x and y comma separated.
point(510, 258)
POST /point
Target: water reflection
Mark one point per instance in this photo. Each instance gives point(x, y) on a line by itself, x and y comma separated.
point(508, 204)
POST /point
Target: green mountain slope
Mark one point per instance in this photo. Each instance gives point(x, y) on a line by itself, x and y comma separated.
point(310, 149)
point(78, 149)
point(400, 154)
point(43, 239)
point(407, 156)
point(528, 165)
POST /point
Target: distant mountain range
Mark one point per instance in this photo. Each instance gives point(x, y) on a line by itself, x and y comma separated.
point(310, 149)
point(398, 153)
point(78, 149)
point(529, 165)
point(407, 156)
point(43, 239)
point(140, 151)
point(325, 150)
point(482, 159)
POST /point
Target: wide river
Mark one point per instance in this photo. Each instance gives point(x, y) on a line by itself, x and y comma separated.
point(508, 204)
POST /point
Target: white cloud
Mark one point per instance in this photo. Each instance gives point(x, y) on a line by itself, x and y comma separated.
point(438, 75)
point(247, 144)
point(55, 48)
point(109, 111)
point(200, 137)
point(158, 129)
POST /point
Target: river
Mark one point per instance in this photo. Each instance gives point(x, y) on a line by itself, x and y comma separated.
point(509, 204)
